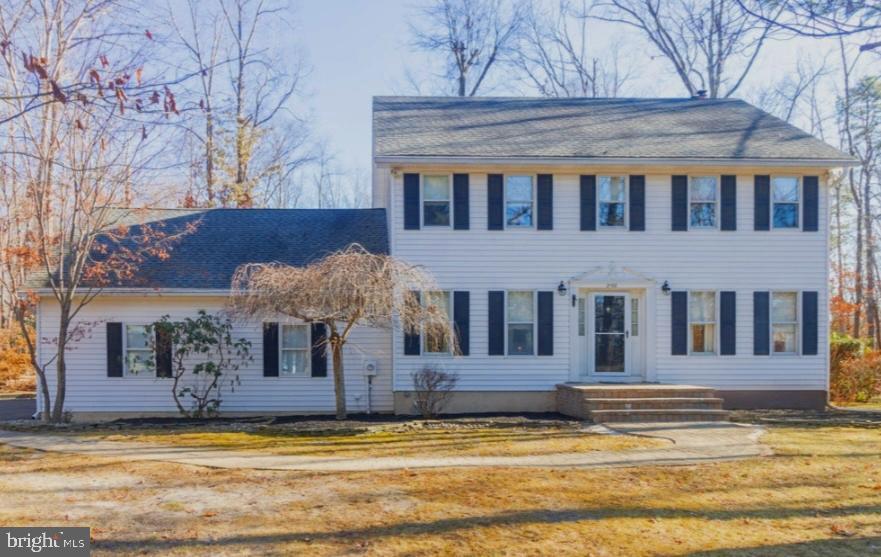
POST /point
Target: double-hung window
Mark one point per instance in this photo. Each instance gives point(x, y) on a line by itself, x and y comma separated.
point(436, 200)
point(518, 201)
point(521, 323)
point(703, 195)
point(295, 349)
point(784, 322)
point(138, 351)
point(702, 322)
point(612, 200)
point(436, 338)
point(785, 201)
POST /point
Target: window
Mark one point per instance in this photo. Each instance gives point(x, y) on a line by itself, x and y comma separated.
point(702, 322)
point(581, 317)
point(784, 322)
point(702, 202)
point(295, 349)
point(784, 197)
point(138, 352)
point(634, 317)
point(436, 200)
point(521, 323)
point(612, 200)
point(435, 339)
point(518, 201)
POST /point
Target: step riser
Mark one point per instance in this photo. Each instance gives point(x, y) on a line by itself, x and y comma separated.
point(660, 417)
point(627, 404)
point(654, 393)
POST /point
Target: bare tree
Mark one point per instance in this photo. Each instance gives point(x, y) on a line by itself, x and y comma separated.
point(347, 288)
point(832, 18)
point(711, 44)
point(337, 187)
point(790, 97)
point(472, 36)
point(555, 57)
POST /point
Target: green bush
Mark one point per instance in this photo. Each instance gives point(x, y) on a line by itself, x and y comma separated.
point(855, 370)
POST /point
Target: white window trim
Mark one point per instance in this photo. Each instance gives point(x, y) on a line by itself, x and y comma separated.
point(422, 199)
point(534, 322)
point(423, 337)
point(635, 310)
point(125, 369)
point(534, 178)
point(716, 207)
point(308, 371)
point(798, 324)
point(626, 202)
point(798, 210)
point(715, 324)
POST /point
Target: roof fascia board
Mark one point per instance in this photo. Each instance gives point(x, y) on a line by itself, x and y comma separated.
point(611, 161)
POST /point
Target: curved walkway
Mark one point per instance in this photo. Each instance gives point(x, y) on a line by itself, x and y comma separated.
point(691, 443)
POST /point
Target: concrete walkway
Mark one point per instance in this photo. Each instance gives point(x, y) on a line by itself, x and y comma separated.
point(691, 443)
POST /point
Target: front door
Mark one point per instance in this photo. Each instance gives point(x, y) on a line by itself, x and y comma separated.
point(610, 330)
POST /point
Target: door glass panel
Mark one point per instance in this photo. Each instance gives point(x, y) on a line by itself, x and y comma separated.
point(609, 338)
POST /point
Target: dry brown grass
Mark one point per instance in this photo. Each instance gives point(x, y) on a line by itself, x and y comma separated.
point(821, 496)
point(480, 441)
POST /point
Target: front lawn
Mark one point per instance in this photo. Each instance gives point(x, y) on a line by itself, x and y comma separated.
point(477, 437)
point(820, 495)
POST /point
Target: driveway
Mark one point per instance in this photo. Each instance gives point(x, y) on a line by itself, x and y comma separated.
point(17, 408)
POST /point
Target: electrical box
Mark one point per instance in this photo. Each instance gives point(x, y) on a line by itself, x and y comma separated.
point(371, 368)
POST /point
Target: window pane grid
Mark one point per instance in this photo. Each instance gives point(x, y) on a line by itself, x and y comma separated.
point(436, 340)
point(521, 323)
point(612, 200)
point(295, 349)
point(436, 200)
point(785, 197)
point(784, 322)
point(702, 322)
point(518, 201)
point(702, 200)
point(138, 353)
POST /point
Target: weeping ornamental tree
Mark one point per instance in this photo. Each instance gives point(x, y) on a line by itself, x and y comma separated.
point(347, 288)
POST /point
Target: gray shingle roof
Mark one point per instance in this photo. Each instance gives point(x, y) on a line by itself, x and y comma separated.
point(587, 128)
point(223, 239)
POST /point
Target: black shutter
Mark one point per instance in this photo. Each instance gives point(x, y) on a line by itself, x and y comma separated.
point(545, 201)
point(114, 349)
point(411, 201)
point(729, 203)
point(495, 202)
point(496, 325)
point(762, 206)
point(588, 202)
point(811, 186)
point(163, 352)
point(462, 321)
point(319, 350)
point(761, 324)
point(680, 203)
point(461, 208)
point(412, 340)
point(270, 350)
point(545, 323)
point(679, 323)
point(728, 319)
point(809, 323)
point(637, 203)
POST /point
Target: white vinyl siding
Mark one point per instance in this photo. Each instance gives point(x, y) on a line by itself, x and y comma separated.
point(743, 262)
point(90, 390)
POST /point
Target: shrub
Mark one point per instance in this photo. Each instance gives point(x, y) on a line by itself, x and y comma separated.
point(16, 372)
point(844, 347)
point(433, 389)
point(856, 378)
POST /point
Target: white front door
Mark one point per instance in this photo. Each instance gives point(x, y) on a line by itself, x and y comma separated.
point(608, 319)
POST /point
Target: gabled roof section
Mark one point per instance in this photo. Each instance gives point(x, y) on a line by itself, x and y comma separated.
point(214, 242)
point(582, 128)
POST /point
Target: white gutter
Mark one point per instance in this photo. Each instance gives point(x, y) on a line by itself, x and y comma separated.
point(610, 161)
point(150, 291)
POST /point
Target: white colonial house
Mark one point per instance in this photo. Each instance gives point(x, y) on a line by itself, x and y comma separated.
point(675, 245)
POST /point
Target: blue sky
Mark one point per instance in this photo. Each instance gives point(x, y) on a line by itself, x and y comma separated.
point(358, 49)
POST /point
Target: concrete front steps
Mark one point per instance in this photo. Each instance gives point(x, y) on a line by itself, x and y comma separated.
point(640, 403)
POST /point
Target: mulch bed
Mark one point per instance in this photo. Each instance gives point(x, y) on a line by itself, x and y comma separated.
point(831, 416)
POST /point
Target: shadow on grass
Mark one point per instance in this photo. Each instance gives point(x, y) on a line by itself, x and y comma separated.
point(841, 547)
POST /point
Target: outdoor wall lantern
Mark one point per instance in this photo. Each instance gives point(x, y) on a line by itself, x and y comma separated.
point(561, 289)
point(665, 288)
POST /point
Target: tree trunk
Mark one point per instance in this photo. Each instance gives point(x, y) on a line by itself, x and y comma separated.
point(339, 384)
point(870, 257)
point(858, 272)
point(61, 365)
